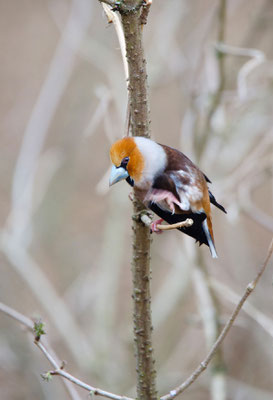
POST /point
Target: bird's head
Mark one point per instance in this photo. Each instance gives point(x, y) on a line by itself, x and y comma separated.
point(127, 160)
point(138, 160)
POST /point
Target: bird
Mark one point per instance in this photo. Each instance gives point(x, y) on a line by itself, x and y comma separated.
point(166, 181)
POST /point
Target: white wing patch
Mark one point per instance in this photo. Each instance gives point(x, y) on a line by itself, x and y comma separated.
point(190, 192)
point(187, 188)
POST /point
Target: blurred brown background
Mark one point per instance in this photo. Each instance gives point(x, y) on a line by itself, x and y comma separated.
point(65, 238)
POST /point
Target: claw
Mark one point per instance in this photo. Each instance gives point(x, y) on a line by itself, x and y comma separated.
point(154, 227)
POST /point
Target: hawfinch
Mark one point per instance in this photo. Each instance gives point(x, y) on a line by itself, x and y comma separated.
point(167, 182)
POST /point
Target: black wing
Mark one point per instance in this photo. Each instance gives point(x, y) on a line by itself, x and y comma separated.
point(213, 199)
point(195, 230)
point(215, 203)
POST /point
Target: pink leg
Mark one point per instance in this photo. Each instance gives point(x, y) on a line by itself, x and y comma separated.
point(154, 227)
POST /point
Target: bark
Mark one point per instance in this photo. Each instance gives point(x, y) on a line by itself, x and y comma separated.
point(139, 124)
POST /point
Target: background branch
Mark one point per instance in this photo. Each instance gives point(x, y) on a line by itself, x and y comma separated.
point(203, 365)
point(29, 324)
point(51, 357)
point(209, 310)
point(256, 58)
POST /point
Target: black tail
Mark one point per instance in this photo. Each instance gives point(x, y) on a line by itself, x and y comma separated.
point(214, 202)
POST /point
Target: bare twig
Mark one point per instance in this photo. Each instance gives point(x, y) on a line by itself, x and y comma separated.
point(203, 365)
point(58, 370)
point(28, 323)
point(183, 224)
point(41, 287)
point(91, 389)
point(115, 19)
point(258, 316)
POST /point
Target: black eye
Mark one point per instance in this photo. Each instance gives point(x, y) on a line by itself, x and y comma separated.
point(124, 162)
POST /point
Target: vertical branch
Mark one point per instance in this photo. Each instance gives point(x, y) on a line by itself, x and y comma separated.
point(133, 15)
point(146, 386)
point(131, 12)
point(137, 73)
point(139, 117)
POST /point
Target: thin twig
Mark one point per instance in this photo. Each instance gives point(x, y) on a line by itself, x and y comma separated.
point(91, 389)
point(183, 224)
point(115, 19)
point(28, 323)
point(258, 316)
point(30, 271)
point(203, 365)
point(44, 350)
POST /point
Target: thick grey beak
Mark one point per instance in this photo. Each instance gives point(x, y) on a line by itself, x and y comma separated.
point(117, 174)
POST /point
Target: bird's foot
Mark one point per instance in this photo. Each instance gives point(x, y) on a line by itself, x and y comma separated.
point(154, 227)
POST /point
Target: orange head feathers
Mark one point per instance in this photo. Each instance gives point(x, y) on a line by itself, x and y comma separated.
point(125, 154)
